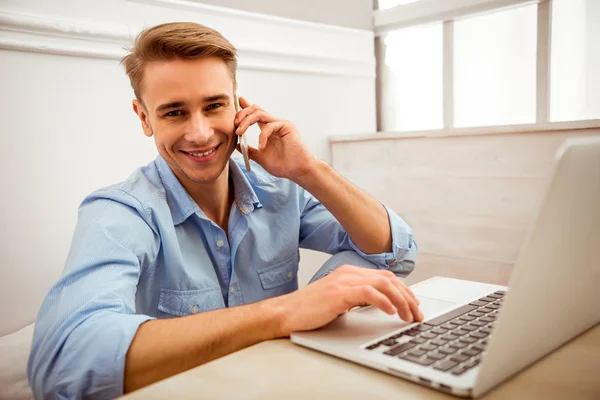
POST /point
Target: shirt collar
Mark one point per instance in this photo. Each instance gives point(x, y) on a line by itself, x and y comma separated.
point(181, 203)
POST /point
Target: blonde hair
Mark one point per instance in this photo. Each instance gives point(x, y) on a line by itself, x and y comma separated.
point(176, 40)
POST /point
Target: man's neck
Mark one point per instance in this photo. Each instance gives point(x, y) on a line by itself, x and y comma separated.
point(214, 198)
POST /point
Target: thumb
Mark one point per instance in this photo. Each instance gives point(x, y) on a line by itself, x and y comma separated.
point(254, 154)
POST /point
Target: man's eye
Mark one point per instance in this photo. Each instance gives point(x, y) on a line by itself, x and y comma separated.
point(214, 106)
point(174, 113)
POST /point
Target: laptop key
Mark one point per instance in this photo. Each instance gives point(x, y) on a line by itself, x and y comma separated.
point(373, 346)
point(439, 342)
point(478, 347)
point(428, 335)
point(459, 321)
point(470, 352)
point(449, 337)
point(500, 292)
point(445, 365)
point(447, 350)
point(436, 356)
point(478, 323)
point(488, 299)
point(485, 310)
point(442, 319)
point(412, 332)
point(470, 328)
point(439, 330)
point(427, 347)
point(458, 345)
point(467, 318)
point(458, 370)
point(459, 332)
point(478, 303)
point(478, 335)
point(449, 326)
point(418, 340)
point(459, 358)
point(467, 339)
point(394, 351)
point(389, 342)
point(494, 306)
point(418, 360)
point(476, 314)
point(423, 327)
point(487, 319)
point(417, 353)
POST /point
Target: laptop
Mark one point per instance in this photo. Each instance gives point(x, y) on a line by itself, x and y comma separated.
point(476, 335)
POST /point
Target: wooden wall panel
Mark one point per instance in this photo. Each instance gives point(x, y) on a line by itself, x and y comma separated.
point(470, 199)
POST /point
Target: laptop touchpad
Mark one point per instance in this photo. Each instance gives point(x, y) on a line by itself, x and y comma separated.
point(430, 308)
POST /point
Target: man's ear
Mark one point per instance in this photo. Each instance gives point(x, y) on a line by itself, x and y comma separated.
point(140, 110)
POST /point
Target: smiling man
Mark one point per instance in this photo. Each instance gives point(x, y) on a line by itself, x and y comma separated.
point(193, 257)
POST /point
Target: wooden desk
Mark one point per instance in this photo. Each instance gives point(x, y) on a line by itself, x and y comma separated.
point(279, 369)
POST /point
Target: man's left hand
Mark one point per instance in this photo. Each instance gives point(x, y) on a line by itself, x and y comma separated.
point(281, 151)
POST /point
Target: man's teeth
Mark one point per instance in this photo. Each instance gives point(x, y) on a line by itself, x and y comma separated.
point(203, 154)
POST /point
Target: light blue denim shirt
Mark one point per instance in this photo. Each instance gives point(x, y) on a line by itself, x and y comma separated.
point(143, 249)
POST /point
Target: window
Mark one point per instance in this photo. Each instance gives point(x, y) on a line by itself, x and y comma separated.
point(413, 76)
point(495, 68)
point(492, 59)
point(575, 60)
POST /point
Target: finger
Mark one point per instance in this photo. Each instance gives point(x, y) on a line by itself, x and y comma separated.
point(267, 131)
point(388, 289)
point(254, 154)
point(397, 296)
point(413, 305)
point(370, 295)
point(413, 302)
point(401, 284)
point(243, 102)
point(257, 116)
point(246, 110)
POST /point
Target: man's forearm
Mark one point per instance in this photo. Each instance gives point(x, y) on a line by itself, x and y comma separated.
point(162, 348)
point(362, 216)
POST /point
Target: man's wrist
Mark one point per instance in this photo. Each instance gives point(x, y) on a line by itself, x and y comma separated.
point(314, 174)
point(275, 309)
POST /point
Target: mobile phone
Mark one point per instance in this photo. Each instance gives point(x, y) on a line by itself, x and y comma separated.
point(243, 140)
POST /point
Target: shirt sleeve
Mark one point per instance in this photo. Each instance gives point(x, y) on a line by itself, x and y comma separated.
point(319, 230)
point(88, 319)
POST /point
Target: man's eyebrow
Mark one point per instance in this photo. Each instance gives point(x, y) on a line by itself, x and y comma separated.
point(168, 106)
point(216, 97)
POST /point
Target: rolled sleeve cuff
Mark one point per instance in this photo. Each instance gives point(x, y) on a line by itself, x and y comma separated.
point(402, 259)
point(97, 365)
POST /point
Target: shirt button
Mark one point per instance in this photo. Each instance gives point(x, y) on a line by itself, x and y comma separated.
point(290, 274)
point(195, 309)
point(232, 289)
point(220, 243)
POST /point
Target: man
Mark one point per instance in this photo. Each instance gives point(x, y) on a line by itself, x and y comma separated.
point(194, 235)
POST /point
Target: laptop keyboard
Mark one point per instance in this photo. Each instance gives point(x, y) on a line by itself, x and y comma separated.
point(453, 342)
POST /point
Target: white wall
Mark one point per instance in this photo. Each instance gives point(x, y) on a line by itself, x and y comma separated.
point(66, 125)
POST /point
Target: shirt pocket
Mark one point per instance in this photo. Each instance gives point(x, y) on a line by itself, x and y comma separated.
point(280, 274)
point(179, 303)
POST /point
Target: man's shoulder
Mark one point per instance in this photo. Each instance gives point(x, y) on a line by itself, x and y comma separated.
point(141, 188)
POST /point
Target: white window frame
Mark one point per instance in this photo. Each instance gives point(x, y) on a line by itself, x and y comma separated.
point(448, 11)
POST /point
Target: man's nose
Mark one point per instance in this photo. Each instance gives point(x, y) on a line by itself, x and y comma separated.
point(199, 129)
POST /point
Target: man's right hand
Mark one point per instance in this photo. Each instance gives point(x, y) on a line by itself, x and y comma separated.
point(348, 286)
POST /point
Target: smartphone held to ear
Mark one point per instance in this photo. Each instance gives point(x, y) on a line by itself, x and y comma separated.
point(243, 140)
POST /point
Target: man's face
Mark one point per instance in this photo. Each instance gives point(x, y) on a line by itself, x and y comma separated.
point(188, 108)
